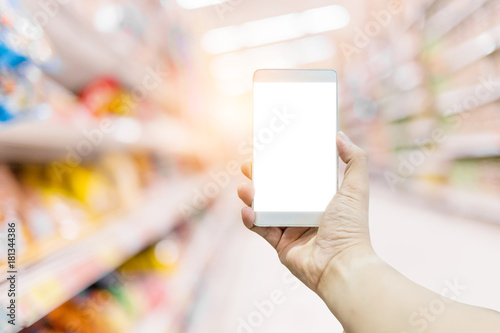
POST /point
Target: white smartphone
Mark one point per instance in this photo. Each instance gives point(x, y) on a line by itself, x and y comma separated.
point(295, 160)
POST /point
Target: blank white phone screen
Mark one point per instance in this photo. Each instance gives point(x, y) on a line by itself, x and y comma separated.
point(295, 154)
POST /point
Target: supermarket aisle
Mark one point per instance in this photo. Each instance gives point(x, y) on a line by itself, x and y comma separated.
point(433, 249)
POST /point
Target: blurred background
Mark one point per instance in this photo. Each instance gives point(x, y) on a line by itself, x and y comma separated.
point(123, 124)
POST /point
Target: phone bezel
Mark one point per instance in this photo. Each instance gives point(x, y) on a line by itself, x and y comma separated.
point(293, 219)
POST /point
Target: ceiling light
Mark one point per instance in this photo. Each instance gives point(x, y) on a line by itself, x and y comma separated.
point(234, 70)
point(275, 29)
point(271, 30)
point(108, 18)
point(323, 19)
point(194, 4)
point(222, 40)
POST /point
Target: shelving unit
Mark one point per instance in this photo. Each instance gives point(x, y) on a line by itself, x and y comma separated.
point(472, 50)
point(207, 239)
point(55, 270)
point(452, 54)
point(94, 52)
point(452, 15)
point(49, 280)
point(52, 140)
point(475, 145)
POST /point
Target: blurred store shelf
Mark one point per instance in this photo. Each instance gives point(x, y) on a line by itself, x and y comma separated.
point(455, 101)
point(441, 78)
point(450, 16)
point(471, 146)
point(471, 204)
point(472, 50)
point(52, 278)
point(93, 52)
point(53, 140)
point(171, 314)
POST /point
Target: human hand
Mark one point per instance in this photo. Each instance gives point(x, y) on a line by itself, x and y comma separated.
point(343, 233)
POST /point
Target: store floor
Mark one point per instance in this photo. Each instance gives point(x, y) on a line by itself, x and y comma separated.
point(247, 290)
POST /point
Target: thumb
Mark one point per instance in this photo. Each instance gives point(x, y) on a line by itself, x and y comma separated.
point(356, 181)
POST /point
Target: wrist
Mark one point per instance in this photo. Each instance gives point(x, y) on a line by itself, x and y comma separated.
point(342, 271)
point(344, 284)
point(356, 289)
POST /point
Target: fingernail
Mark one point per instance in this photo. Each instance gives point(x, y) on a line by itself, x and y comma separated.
point(344, 137)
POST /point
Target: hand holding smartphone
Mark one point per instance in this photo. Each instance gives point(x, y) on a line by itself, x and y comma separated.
point(295, 160)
